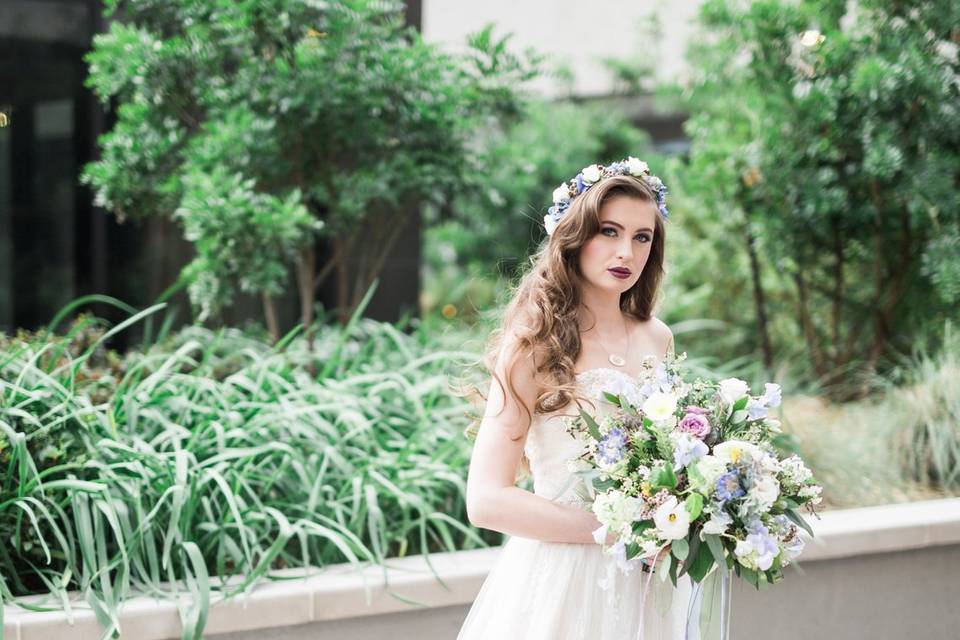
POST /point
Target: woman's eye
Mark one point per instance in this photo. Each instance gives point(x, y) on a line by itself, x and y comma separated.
point(610, 229)
point(643, 237)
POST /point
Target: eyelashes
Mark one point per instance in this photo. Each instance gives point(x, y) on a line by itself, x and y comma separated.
point(644, 236)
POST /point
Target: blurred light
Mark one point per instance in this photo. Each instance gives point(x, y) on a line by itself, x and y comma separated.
point(811, 38)
point(751, 177)
point(4, 120)
point(449, 311)
point(313, 33)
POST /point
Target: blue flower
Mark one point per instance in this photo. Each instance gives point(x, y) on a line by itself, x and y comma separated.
point(728, 486)
point(611, 447)
point(686, 450)
point(756, 409)
point(593, 174)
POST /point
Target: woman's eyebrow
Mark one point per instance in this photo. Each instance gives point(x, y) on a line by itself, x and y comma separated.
point(620, 226)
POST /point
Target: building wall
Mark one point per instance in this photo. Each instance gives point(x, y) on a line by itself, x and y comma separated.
point(575, 34)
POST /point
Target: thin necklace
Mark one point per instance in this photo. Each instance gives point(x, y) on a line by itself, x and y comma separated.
point(614, 359)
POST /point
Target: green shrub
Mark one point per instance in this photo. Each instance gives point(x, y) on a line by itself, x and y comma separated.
point(212, 453)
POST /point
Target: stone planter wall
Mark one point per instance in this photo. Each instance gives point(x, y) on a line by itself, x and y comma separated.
point(871, 573)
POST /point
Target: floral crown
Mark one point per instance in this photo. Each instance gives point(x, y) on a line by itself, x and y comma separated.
point(589, 176)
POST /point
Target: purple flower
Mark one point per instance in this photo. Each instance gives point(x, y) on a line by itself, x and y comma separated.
point(580, 186)
point(728, 486)
point(692, 408)
point(687, 449)
point(557, 210)
point(756, 409)
point(759, 546)
point(772, 395)
point(611, 446)
point(695, 424)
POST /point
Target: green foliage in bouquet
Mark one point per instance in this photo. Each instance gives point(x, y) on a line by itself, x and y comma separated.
point(259, 125)
point(825, 151)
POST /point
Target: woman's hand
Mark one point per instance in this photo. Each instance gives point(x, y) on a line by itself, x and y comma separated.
point(659, 558)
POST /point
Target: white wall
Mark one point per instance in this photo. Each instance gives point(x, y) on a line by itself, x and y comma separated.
point(577, 34)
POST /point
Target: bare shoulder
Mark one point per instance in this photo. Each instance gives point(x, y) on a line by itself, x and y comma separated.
point(658, 332)
point(660, 329)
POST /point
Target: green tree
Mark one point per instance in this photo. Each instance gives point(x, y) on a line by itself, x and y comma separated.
point(827, 136)
point(259, 124)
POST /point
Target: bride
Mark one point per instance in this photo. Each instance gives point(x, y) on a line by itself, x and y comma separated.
point(580, 321)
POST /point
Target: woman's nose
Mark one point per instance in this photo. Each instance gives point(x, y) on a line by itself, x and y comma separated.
point(625, 250)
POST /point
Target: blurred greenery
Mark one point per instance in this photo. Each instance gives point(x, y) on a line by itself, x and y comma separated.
point(815, 219)
point(825, 155)
point(259, 125)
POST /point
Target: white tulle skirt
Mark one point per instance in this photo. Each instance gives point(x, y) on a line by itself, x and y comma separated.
point(557, 591)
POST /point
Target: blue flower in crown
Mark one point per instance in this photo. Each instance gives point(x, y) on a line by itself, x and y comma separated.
point(591, 175)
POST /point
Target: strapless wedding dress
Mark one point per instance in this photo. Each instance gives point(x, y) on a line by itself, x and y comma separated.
point(560, 591)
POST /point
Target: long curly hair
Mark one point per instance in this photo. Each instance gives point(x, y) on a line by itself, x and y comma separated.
point(542, 314)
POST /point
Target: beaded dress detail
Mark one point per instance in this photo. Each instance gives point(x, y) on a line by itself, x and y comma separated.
point(561, 591)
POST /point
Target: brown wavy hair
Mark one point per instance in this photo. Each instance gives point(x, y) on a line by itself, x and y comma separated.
point(543, 309)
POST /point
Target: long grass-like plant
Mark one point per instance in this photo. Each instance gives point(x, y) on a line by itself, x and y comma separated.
point(208, 459)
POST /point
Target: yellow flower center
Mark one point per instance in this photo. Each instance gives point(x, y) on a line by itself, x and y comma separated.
point(672, 517)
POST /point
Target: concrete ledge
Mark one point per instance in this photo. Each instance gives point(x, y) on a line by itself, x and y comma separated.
point(345, 592)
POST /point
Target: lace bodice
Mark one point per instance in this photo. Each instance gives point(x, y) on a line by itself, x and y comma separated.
point(549, 446)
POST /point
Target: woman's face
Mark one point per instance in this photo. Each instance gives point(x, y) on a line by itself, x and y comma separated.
point(614, 258)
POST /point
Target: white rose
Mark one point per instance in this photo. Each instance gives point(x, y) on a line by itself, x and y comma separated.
point(717, 523)
point(769, 464)
point(617, 510)
point(660, 406)
point(636, 167)
point(672, 519)
point(591, 174)
point(561, 194)
point(732, 389)
point(733, 450)
point(549, 223)
point(766, 490)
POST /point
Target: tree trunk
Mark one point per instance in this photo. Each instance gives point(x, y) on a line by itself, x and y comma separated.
point(760, 301)
point(270, 313)
point(306, 268)
point(838, 285)
point(374, 261)
point(806, 325)
point(343, 280)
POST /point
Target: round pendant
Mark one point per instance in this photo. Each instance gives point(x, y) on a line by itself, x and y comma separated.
point(617, 360)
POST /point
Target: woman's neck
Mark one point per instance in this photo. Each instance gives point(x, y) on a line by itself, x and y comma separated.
point(600, 310)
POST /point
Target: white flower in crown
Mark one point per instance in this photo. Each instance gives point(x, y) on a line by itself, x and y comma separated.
point(654, 182)
point(561, 194)
point(636, 166)
point(549, 224)
point(591, 174)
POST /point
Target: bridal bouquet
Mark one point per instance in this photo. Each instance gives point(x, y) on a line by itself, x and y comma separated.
point(691, 468)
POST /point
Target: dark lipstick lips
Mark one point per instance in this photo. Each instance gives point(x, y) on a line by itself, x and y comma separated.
point(620, 273)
